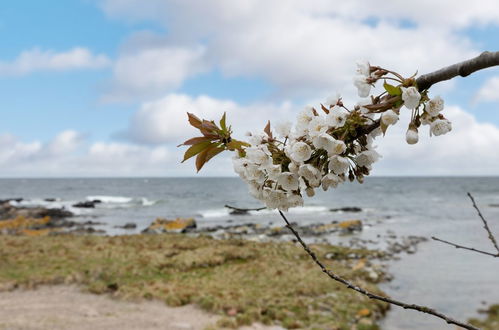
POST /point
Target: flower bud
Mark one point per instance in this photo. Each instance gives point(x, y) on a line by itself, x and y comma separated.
point(412, 135)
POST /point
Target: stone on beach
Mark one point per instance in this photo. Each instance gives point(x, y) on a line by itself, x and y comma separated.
point(162, 225)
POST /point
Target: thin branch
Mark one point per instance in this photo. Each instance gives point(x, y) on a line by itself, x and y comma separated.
point(463, 69)
point(485, 225)
point(349, 285)
point(457, 246)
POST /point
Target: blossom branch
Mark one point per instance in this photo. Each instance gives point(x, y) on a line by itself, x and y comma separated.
point(349, 285)
point(484, 60)
point(485, 226)
point(463, 69)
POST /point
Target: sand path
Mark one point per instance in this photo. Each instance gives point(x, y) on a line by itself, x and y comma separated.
point(66, 307)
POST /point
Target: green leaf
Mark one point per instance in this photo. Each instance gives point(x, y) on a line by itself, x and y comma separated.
point(392, 90)
point(235, 144)
point(222, 123)
point(196, 149)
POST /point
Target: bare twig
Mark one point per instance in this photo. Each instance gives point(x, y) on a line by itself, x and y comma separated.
point(349, 285)
point(485, 225)
point(457, 246)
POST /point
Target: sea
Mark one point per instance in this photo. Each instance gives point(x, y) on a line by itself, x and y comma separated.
point(456, 282)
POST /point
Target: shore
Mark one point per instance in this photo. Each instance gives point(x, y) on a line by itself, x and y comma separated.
point(193, 266)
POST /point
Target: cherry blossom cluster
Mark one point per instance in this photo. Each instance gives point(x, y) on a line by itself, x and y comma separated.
point(332, 144)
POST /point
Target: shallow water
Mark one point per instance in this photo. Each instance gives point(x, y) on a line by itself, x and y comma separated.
point(453, 281)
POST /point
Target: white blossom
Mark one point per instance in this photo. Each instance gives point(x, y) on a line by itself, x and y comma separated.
point(311, 174)
point(440, 127)
point(294, 200)
point(256, 139)
point(293, 167)
point(411, 97)
point(338, 164)
point(366, 158)
point(283, 129)
point(330, 180)
point(317, 126)
point(337, 117)
point(288, 181)
point(389, 117)
point(257, 156)
point(337, 148)
point(255, 173)
point(363, 68)
point(332, 100)
point(411, 136)
point(304, 117)
point(363, 87)
point(310, 192)
point(255, 189)
point(275, 199)
point(300, 152)
point(434, 106)
point(239, 165)
point(273, 171)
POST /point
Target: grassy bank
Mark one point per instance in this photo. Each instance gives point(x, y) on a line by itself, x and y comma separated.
point(492, 319)
point(274, 283)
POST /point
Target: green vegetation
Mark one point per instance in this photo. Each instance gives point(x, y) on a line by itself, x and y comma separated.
point(492, 320)
point(273, 283)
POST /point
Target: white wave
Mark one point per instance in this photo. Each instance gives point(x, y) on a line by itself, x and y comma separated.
point(216, 213)
point(111, 199)
point(146, 202)
point(55, 204)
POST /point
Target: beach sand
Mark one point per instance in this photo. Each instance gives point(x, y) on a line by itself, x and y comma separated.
point(67, 307)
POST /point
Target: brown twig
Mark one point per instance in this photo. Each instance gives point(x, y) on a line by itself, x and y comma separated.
point(463, 69)
point(349, 285)
point(457, 246)
point(485, 225)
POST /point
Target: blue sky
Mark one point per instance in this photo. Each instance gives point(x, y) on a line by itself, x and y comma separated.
point(100, 88)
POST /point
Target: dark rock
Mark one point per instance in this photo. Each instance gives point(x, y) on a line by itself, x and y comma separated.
point(347, 209)
point(3, 201)
point(129, 225)
point(50, 199)
point(494, 205)
point(87, 204)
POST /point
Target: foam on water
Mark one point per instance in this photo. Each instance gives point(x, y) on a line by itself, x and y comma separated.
point(111, 199)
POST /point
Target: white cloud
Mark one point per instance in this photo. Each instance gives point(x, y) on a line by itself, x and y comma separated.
point(309, 48)
point(165, 120)
point(151, 71)
point(489, 91)
point(469, 149)
point(48, 60)
point(67, 155)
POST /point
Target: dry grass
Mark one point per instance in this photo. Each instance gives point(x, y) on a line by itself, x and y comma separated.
point(492, 320)
point(273, 283)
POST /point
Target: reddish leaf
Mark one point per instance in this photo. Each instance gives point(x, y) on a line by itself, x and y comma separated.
point(324, 108)
point(195, 121)
point(194, 140)
point(267, 130)
point(206, 155)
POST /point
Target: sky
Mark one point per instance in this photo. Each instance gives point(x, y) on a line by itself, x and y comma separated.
point(100, 88)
